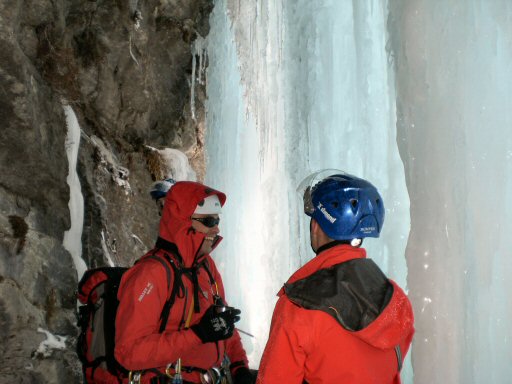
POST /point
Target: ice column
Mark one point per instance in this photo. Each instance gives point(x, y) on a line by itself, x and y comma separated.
point(294, 87)
point(454, 87)
point(236, 167)
point(340, 110)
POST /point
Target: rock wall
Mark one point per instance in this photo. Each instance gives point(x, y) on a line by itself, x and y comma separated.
point(125, 67)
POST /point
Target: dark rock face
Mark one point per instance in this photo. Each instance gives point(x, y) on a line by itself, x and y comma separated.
point(125, 67)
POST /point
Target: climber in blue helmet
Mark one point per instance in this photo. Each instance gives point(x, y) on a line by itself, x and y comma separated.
point(159, 190)
point(339, 318)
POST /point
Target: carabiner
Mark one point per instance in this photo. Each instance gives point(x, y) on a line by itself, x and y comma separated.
point(134, 377)
point(168, 371)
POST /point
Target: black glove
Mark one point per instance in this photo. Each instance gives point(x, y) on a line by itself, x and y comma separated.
point(244, 375)
point(215, 326)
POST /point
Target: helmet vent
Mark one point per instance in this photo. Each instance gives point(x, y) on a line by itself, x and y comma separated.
point(353, 204)
point(335, 204)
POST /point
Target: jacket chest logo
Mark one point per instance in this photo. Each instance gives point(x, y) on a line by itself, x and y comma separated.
point(146, 291)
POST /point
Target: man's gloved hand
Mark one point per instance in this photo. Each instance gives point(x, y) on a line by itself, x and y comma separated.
point(244, 375)
point(215, 326)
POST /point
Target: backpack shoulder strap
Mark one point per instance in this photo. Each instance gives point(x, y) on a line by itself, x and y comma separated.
point(399, 358)
point(176, 286)
point(166, 261)
point(166, 266)
point(206, 266)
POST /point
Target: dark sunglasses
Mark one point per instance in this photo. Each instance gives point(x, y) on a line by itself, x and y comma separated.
point(208, 221)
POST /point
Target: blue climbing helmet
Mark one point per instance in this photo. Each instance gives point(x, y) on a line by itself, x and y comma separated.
point(345, 206)
point(160, 188)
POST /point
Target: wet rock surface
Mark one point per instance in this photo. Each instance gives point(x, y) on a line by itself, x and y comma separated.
point(125, 68)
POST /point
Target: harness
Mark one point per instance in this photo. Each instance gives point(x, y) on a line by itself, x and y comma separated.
point(178, 269)
point(213, 375)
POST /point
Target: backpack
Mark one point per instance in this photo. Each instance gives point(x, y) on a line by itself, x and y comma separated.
point(97, 291)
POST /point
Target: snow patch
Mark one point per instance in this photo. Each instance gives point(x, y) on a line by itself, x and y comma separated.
point(51, 343)
point(174, 164)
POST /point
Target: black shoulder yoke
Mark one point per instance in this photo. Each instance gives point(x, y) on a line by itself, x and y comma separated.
point(354, 292)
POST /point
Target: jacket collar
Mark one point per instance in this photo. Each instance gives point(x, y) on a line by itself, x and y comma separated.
point(326, 258)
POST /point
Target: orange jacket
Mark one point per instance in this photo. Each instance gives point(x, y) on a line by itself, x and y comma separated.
point(311, 345)
point(144, 290)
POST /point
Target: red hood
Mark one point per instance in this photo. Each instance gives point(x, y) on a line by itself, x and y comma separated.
point(393, 325)
point(176, 225)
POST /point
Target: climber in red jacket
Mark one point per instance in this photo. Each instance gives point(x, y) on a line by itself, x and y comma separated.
point(198, 340)
point(338, 318)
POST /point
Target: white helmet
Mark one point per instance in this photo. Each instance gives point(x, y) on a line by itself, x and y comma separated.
point(209, 206)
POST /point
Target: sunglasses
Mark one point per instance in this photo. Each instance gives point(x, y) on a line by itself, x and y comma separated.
point(208, 221)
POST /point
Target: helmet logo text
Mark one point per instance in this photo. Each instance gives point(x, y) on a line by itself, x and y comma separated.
point(326, 214)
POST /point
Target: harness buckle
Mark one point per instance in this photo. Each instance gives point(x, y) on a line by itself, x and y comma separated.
point(211, 376)
point(216, 375)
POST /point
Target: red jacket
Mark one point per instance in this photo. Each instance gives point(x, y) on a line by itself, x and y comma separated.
point(144, 290)
point(311, 345)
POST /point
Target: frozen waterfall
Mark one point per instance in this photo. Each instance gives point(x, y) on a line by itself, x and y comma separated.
point(414, 96)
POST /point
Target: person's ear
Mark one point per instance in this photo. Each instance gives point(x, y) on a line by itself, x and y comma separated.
point(314, 226)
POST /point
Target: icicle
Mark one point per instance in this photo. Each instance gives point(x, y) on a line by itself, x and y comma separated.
point(106, 253)
point(198, 70)
point(192, 87)
point(200, 50)
point(73, 238)
point(131, 53)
